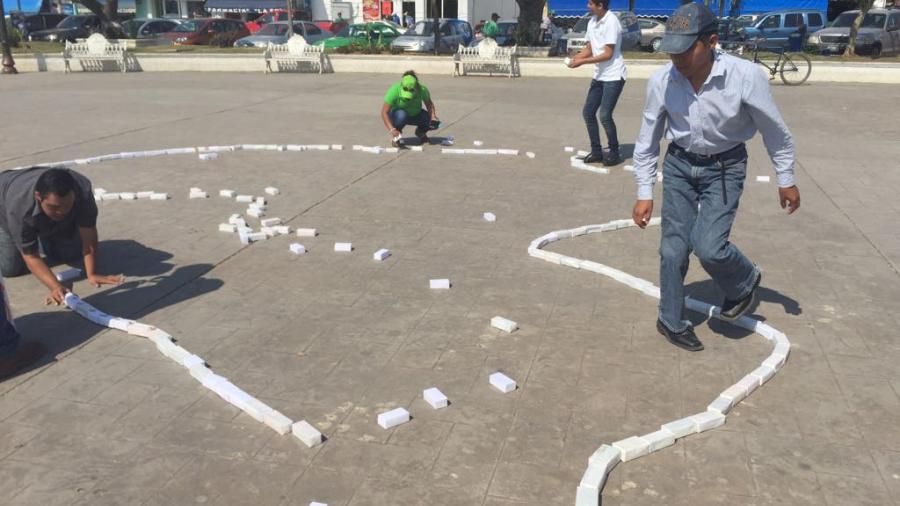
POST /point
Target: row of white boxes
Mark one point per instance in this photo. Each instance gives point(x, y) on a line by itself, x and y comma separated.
point(607, 456)
point(211, 152)
point(101, 194)
point(197, 368)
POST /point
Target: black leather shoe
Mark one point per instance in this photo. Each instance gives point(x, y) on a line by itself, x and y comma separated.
point(592, 158)
point(734, 309)
point(613, 158)
point(685, 339)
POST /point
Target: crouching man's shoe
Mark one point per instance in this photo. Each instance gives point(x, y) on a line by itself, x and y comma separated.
point(734, 309)
point(685, 339)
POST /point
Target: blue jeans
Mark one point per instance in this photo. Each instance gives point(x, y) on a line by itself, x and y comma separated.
point(602, 96)
point(399, 118)
point(696, 217)
point(9, 336)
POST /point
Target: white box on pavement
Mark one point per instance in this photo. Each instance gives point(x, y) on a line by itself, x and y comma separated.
point(382, 254)
point(305, 432)
point(504, 324)
point(343, 247)
point(393, 418)
point(435, 398)
point(439, 284)
point(502, 382)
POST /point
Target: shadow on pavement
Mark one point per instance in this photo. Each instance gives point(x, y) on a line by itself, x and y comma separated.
point(707, 291)
point(162, 285)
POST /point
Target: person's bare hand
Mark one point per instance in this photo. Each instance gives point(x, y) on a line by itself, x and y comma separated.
point(575, 62)
point(99, 280)
point(57, 296)
point(394, 134)
point(789, 198)
point(643, 210)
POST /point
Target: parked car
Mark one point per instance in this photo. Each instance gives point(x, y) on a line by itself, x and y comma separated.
point(71, 28)
point(879, 33)
point(148, 28)
point(652, 31)
point(573, 41)
point(30, 23)
point(364, 33)
point(273, 17)
point(777, 27)
point(277, 33)
point(205, 31)
point(420, 38)
point(331, 26)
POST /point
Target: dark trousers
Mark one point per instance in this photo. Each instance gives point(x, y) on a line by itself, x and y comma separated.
point(399, 118)
point(9, 336)
point(61, 247)
point(602, 97)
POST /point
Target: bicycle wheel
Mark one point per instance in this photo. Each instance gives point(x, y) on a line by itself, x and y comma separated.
point(795, 69)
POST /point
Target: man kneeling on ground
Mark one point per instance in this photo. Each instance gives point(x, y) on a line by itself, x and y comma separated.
point(49, 210)
point(403, 106)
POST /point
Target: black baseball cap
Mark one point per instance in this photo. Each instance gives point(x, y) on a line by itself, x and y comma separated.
point(685, 25)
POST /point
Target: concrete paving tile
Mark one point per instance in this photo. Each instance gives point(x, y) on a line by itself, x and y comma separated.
point(889, 466)
point(234, 480)
point(848, 490)
point(718, 462)
point(529, 482)
point(333, 487)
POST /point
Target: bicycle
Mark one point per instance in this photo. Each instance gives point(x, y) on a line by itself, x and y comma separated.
point(794, 69)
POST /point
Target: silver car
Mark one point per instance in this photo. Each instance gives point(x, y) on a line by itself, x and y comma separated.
point(420, 38)
point(879, 33)
point(277, 33)
point(575, 40)
point(652, 31)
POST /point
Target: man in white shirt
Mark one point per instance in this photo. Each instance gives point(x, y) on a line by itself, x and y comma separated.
point(604, 49)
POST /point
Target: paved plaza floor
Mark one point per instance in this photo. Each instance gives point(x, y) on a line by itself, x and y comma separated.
point(336, 339)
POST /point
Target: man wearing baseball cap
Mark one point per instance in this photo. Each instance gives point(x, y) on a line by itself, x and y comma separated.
point(708, 104)
point(403, 106)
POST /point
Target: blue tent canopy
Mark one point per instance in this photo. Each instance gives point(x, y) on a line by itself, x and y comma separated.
point(666, 7)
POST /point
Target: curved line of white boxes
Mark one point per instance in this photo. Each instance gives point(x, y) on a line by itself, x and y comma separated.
point(197, 367)
point(609, 455)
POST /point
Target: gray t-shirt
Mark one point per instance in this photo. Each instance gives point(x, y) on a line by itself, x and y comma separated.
point(21, 216)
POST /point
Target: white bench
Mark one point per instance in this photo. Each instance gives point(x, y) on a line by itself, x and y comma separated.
point(487, 56)
point(293, 52)
point(95, 50)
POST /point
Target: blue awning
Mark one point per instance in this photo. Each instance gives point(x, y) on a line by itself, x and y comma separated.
point(577, 8)
point(245, 5)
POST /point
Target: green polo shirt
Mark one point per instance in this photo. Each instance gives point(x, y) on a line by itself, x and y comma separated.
point(412, 106)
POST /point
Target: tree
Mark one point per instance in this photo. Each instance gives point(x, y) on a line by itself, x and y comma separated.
point(108, 14)
point(864, 6)
point(531, 12)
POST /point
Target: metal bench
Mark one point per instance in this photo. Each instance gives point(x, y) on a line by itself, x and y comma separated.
point(294, 52)
point(488, 57)
point(94, 51)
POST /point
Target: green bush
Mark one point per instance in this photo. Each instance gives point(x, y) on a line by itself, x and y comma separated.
point(13, 35)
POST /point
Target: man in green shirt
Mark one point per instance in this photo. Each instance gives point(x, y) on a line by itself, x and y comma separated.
point(403, 106)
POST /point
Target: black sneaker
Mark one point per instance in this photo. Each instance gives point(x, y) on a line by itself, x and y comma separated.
point(592, 158)
point(686, 339)
point(422, 134)
point(613, 158)
point(734, 309)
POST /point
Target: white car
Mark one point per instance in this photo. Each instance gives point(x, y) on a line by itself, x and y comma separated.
point(277, 33)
